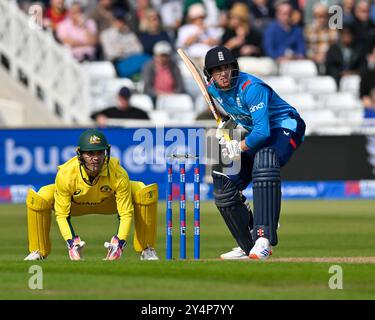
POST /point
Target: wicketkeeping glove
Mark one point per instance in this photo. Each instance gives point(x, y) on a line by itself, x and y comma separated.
point(75, 246)
point(115, 248)
point(231, 149)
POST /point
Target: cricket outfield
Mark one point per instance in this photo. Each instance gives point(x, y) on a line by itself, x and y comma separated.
point(316, 239)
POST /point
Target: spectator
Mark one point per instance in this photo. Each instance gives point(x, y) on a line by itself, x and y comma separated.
point(141, 7)
point(298, 7)
point(54, 14)
point(24, 5)
point(282, 39)
point(161, 75)
point(123, 110)
point(215, 11)
point(102, 15)
point(319, 37)
point(152, 31)
point(129, 10)
point(195, 37)
point(240, 37)
point(344, 57)
point(308, 9)
point(262, 12)
point(122, 47)
point(367, 84)
point(78, 33)
point(364, 28)
point(348, 11)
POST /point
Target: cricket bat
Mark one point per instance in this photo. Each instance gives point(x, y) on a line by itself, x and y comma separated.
point(199, 79)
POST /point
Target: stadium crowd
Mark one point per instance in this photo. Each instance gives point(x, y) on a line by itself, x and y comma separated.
point(140, 36)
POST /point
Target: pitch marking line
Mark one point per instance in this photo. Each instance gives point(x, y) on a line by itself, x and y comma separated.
point(355, 260)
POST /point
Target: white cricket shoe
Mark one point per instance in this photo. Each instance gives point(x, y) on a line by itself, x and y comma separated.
point(35, 255)
point(235, 254)
point(262, 249)
point(149, 254)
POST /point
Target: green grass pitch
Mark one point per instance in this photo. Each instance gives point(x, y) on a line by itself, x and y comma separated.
point(314, 235)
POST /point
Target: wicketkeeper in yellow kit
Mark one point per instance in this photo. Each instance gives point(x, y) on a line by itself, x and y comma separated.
point(93, 183)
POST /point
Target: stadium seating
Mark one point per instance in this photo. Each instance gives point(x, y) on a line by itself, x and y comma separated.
point(183, 68)
point(191, 86)
point(263, 66)
point(297, 82)
point(142, 101)
point(301, 101)
point(340, 101)
point(351, 116)
point(159, 116)
point(178, 106)
point(175, 103)
point(318, 117)
point(104, 91)
point(100, 70)
point(298, 68)
point(350, 84)
point(282, 84)
point(200, 104)
point(318, 85)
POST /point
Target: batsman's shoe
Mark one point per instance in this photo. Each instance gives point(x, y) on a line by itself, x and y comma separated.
point(35, 255)
point(235, 254)
point(262, 249)
point(149, 254)
point(115, 248)
point(75, 246)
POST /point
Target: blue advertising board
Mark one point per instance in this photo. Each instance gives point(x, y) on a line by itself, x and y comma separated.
point(30, 157)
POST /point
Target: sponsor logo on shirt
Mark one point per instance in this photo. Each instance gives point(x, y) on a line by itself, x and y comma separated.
point(87, 203)
point(257, 107)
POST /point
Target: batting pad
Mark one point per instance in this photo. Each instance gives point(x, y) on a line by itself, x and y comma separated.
point(266, 194)
point(145, 201)
point(39, 221)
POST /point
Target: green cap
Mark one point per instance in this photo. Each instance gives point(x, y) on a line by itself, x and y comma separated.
point(92, 140)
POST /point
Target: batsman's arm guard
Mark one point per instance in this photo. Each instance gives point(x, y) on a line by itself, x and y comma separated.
point(145, 201)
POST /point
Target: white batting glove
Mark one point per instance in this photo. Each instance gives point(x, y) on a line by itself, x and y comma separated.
point(232, 150)
point(222, 131)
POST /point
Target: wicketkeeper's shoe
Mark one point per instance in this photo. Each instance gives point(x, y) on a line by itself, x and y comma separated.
point(235, 254)
point(35, 255)
point(149, 254)
point(262, 249)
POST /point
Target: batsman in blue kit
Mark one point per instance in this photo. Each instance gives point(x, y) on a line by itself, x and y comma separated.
point(275, 131)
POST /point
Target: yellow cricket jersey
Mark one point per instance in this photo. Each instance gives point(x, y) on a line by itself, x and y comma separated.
point(109, 194)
